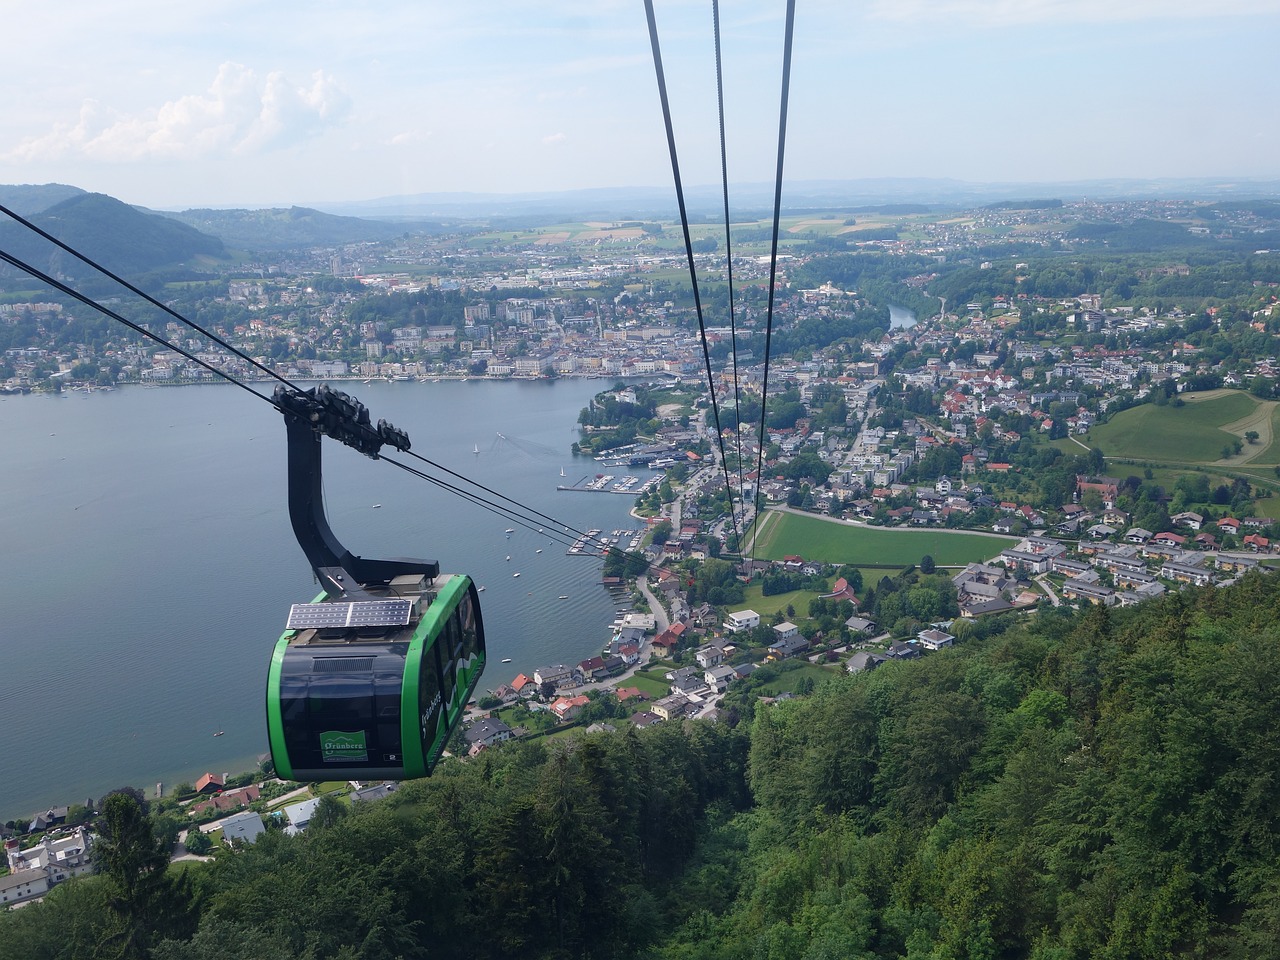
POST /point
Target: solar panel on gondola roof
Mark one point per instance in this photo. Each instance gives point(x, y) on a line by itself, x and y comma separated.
point(356, 613)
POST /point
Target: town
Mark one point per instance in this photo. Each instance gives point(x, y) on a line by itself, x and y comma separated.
point(953, 434)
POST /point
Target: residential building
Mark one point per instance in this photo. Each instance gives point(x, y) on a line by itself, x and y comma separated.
point(719, 677)
point(785, 649)
point(60, 858)
point(23, 885)
point(568, 708)
point(934, 639)
point(864, 660)
point(709, 656)
point(556, 674)
point(786, 630)
point(486, 732)
point(672, 707)
point(244, 827)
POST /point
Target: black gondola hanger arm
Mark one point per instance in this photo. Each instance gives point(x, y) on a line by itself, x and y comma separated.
point(308, 416)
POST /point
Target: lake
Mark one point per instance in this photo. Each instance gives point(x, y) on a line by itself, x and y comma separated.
point(149, 564)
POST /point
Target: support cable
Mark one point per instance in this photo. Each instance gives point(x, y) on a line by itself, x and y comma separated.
point(137, 328)
point(773, 260)
point(144, 295)
point(728, 261)
point(285, 401)
point(688, 245)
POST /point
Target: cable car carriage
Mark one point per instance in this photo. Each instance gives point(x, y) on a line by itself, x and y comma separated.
point(371, 678)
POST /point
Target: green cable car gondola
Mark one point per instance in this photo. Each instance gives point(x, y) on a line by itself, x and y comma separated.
point(371, 678)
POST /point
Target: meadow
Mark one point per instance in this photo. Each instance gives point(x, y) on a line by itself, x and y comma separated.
point(1191, 433)
point(833, 541)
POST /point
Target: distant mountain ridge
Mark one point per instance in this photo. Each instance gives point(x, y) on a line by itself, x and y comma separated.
point(797, 195)
point(120, 237)
point(279, 228)
point(30, 198)
point(166, 239)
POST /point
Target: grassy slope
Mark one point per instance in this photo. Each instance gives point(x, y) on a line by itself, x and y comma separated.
point(1272, 453)
point(834, 542)
point(1189, 434)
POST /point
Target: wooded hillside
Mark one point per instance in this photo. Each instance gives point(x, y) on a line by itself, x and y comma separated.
point(1101, 784)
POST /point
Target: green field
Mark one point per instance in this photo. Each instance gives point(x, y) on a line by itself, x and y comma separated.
point(768, 606)
point(787, 682)
point(650, 682)
point(1188, 434)
point(1272, 453)
point(831, 541)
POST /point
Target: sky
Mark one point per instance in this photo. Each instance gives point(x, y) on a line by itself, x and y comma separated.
point(233, 103)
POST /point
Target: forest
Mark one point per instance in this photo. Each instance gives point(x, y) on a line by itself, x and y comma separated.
point(1071, 784)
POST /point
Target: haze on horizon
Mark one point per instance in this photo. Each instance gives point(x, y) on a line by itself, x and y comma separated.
point(232, 103)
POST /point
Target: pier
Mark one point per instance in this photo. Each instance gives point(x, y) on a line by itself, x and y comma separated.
point(605, 483)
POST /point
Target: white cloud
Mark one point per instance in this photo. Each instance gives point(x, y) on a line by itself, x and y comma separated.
point(551, 138)
point(239, 115)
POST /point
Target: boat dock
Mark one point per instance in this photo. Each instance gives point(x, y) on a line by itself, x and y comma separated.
point(595, 542)
point(609, 483)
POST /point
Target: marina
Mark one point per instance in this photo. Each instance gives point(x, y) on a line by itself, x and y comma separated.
point(630, 486)
point(595, 542)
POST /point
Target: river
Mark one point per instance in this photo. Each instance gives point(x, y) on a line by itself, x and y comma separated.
point(148, 562)
point(900, 318)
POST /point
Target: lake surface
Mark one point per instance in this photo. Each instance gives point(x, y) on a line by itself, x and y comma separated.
point(148, 564)
point(900, 318)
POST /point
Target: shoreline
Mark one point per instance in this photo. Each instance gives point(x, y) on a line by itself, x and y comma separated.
point(471, 714)
point(77, 387)
point(140, 747)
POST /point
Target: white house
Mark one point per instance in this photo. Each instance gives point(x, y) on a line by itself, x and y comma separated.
point(786, 630)
point(23, 885)
point(742, 621)
point(709, 657)
point(33, 871)
point(934, 639)
point(487, 732)
point(60, 858)
point(719, 677)
point(556, 673)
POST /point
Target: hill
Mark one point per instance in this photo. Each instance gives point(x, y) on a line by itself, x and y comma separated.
point(122, 238)
point(294, 227)
point(28, 199)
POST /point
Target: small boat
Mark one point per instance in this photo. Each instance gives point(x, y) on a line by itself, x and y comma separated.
point(377, 506)
point(506, 659)
point(476, 449)
point(515, 574)
point(220, 733)
point(508, 556)
point(562, 473)
point(480, 589)
point(509, 530)
point(539, 550)
point(564, 596)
